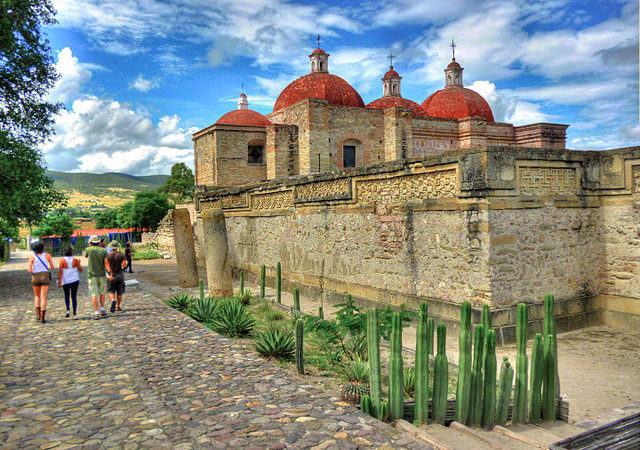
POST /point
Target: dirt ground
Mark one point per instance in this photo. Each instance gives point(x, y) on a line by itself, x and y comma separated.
point(599, 366)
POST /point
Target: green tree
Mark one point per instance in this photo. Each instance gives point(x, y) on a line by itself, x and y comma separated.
point(58, 223)
point(108, 219)
point(148, 209)
point(26, 118)
point(180, 184)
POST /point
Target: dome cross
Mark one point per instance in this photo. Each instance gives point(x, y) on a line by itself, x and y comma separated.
point(453, 50)
point(390, 59)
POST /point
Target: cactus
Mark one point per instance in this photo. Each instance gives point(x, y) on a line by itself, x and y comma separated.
point(549, 327)
point(296, 299)
point(373, 343)
point(396, 384)
point(320, 313)
point(485, 320)
point(201, 284)
point(440, 377)
point(549, 389)
point(279, 283)
point(365, 404)
point(300, 346)
point(537, 373)
point(463, 393)
point(241, 282)
point(383, 411)
point(349, 301)
point(489, 394)
point(475, 404)
point(421, 412)
point(504, 392)
point(431, 328)
point(263, 273)
point(519, 413)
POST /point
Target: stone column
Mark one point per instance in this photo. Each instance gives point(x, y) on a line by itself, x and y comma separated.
point(200, 258)
point(216, 250)
point(185, 250)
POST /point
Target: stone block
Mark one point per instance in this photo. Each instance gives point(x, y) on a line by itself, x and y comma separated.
point(184, 248)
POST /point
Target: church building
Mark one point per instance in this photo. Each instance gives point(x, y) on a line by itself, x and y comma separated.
point(319, 123)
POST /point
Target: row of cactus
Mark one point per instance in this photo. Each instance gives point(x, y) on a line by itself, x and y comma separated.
point(263, 276)
point(422, 366)
point(241, 281)
point(296, 299)
point(440, 377)
point(375, 381)
point(519, 413)
point(279, 283)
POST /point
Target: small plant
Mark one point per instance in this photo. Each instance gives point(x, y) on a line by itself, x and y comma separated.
point(233, 320)
point(244, 297)
point(275, 315)
point(355, 346)
point(275, 342)
point(279, 282)
point(264, 307)
point(296, 299)
point(181, 302)
point(357, 374)
point(409, 380)
point(241, 282)
point(203, 309)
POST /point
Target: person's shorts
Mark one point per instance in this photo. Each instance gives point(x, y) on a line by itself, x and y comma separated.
point(97, 286)
point(40, 279)
point(116, 286)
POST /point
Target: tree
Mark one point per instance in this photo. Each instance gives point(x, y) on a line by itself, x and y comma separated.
point(180, 184)
point(26, 118)
point(58, 223)
point(108, 219)
point(148, 209)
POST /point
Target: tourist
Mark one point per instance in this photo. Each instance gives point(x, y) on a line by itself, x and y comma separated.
point(69, 279)
point(128, 254)
point(96, 274)
point(116, 263)
point(40, 278)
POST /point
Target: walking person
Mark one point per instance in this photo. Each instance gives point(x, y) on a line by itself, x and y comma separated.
point(40, 267)
point(128, 254)
point(116, 263)
point(69, 279)
point(96, 274)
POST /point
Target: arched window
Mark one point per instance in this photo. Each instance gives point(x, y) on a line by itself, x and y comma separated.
point(255, 152)
point(320, 65)
point(350, 149)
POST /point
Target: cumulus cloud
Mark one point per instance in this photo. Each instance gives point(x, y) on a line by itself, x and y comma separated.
point(508, 107)
point(143, 84)
point(72, 76)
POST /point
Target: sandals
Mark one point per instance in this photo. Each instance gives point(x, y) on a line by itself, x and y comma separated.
point(118, 308)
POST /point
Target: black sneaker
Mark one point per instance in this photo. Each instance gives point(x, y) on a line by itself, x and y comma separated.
point(113, 307)
point(67, 315)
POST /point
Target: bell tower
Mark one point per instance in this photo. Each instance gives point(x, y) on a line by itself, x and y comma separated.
point(319, 60)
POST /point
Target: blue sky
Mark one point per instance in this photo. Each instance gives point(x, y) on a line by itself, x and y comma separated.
point(138, 77)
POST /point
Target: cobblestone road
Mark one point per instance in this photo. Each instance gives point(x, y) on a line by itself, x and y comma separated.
point(151, 377)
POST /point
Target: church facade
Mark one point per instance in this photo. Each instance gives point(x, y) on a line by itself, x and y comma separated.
point(320, 124)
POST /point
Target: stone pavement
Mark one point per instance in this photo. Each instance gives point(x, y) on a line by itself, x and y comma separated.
point(152, 377)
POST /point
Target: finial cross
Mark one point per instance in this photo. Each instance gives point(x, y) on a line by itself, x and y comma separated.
point(390, 59)
point(453, 49)
point(243, 88)
point(318, 39)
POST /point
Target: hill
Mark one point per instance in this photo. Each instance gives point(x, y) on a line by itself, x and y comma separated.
point(107, 190)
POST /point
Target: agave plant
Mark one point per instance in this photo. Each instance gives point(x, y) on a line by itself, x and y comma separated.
point(356, 372)
point(180, 301)
point(244, 297)
point(233, 320)
point(275, 315)
point(203, 309)
point(276, 342)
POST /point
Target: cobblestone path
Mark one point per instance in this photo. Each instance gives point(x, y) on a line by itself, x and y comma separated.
point(151, 377)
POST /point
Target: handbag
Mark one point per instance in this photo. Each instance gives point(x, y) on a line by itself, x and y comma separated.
point(45, 265)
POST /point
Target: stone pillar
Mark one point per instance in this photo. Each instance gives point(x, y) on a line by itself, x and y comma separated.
point(200, 258)
point(185, 250)
point(216, 250)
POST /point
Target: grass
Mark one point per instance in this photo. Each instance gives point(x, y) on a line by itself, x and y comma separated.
point(146, 254)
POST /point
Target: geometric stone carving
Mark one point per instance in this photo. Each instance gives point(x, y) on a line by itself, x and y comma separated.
point(235, 201)
point(440, 184)
point(272, 200)
point(323, 190)
point(547, 180)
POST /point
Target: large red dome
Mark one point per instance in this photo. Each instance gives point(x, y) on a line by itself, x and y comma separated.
point(389, 102)
point(243, 117)
point(319, 85)
point(457, 102)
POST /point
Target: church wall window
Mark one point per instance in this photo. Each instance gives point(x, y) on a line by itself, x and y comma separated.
point(255, 152)
point(348, 156)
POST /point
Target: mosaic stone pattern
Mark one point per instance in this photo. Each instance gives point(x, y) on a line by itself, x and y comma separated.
point(323, 190)
point(273, 200)
point(547, 181)
point(441, 184)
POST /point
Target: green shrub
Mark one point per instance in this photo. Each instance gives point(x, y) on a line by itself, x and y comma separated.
point(276, 342)
point(203, 309)
point(275, 315)
point(181, 302)
point(357, 371)
point(146, 254)
point(244, 297)
point(233, 320)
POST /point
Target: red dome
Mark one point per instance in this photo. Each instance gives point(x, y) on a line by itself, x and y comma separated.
point(319, 85)
point(453, 64)
point(391, 73)
point(318, 50)
point(243, 117)
point(390, 102)
point(456, 102)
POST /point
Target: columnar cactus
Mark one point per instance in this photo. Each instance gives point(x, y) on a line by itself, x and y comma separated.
point(431, 325)
point(300, 346)
point(489, 394)
point(241, 282)
point(296, 299)
point(537, 373)
point(366, 405)
point(463, 393)
point(475, 405)
point(504, 392)
point(320, 313)
point(549, 388)
point(549, 327)
point(396, 384)
point(485, 320)
point(519, 413)
point(263, 275)
point(373, 342)
point(201, 284)
point(421, 413)
point(383, 411)
point(279, 283)
point(440, 377)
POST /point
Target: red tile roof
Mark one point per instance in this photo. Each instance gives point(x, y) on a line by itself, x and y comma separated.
point(243, 117)
point(319, 85)
point(318, 50)
point(389, 102)
point(457, 102)
point(391, 73)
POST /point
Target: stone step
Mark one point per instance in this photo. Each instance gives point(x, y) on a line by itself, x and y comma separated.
point(533, 434)
point(561, 429)
point(492, 439)
point(453, 439)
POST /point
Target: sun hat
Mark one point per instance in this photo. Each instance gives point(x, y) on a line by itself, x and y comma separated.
point(114, 244)
point(94, 239)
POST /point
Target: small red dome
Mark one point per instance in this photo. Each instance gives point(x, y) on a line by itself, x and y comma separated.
point(319, 85)
point(390, 102)
point(243, 117)
point(453, 64)
point(318, 50)
point(391, 73)
point(457, 102)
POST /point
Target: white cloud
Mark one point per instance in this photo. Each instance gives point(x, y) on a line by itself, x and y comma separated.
point(508, 107)
point(144, 85)
point(72, 76)
point(411, 11)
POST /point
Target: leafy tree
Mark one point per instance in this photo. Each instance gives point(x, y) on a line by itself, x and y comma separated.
point(108, 219)
point(180, 184)
point(58, 223)
point(148, 209)
point(26, 118)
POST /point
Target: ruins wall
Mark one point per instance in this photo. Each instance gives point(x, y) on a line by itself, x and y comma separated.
point(232, 146)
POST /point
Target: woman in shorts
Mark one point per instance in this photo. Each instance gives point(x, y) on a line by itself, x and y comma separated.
point(40, 266)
